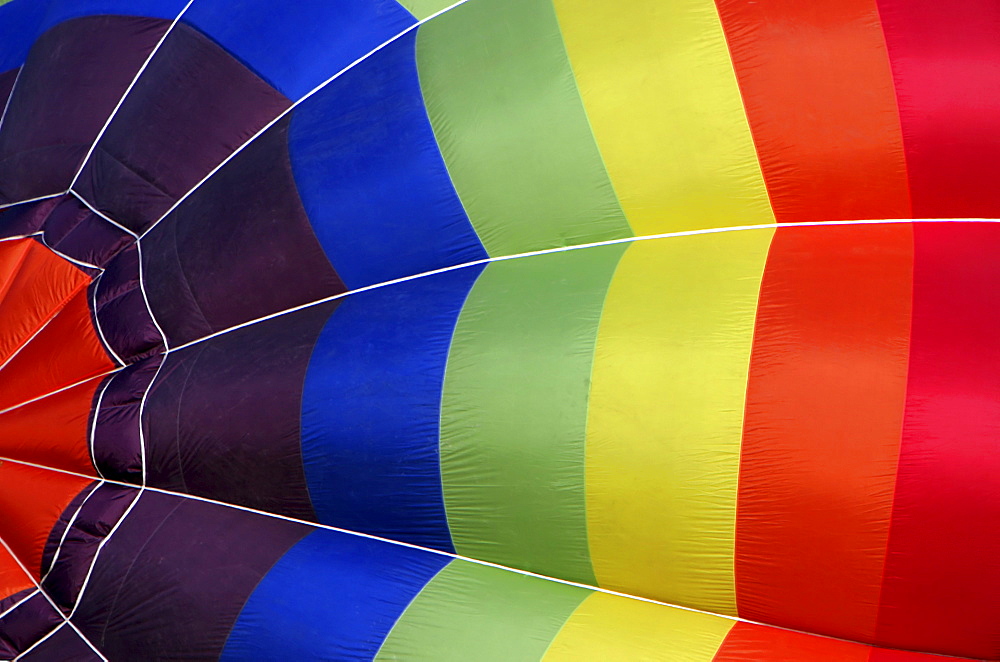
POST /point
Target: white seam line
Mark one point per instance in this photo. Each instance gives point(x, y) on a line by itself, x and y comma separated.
point(65, 533)
point(97, 322)
point(563, 249)
point(39, 642)
point(93, 427)
point(145, 299)
point(13, 88)
point(315, 525)
point(58, 390)
point(40, 198)
point(20, 602)
point(64, 617)
point(101, 214)
point(295, 105)
point(121, 101)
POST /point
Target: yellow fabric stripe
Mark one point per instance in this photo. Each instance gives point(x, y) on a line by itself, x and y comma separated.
point(608, 627)
point(665, 417)
point(665, 107)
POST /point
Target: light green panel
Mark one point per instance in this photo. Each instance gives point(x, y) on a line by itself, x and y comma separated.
point(514, 411)
point(419, 8)
point(475, 612)
point(511, 125)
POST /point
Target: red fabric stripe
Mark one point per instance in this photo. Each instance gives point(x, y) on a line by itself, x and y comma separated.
point(820, 99)
point(822, 428)
point(944, 59)
point(942, 580)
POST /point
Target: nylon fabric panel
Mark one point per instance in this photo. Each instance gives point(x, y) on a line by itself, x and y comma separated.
point(821, 437)
point(35, 284)
point(514, 412)
point(19, 26)
point(941, 586)
point(53, 431)
point(90, 60)
point(611, 627)
point(474, 610)
point(66, 351)
point(371, 178)
point(371, 409)
point(297, 50)
point(677, 145)
point(820, 98)
point(31, 501)
point(7, 80)
point(357, 589)
point(944, 63)
point(749, 642)
point(666, 415)
point(529, 174)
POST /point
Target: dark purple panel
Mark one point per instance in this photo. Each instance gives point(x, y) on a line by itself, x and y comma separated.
point(27, 624)
point(174, 577)
point(117, 448)
point(72, 229)
point(64, 646)
point(98, 516)
point(121, 309)
point(223, 418)
point(7, 79)
point(27, 218)
point(73, 78)
point(56, 534)
point(192, 107)
point(241, 247)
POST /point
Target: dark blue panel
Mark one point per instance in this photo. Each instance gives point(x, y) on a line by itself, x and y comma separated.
point(371, 409)
point(19, 24)
point(371, 176)
point(333, 596)
point(297, 46)
point(62, 10)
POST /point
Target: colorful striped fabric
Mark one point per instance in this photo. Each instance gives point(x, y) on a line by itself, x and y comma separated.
point(499, 330)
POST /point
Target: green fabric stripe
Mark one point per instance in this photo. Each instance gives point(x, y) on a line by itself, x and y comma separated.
point(474, 612)
point(422, 8)
point(529, 174)
point(514, 411)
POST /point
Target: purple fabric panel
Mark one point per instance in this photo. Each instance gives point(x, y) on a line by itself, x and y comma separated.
point(11, 600)
point(241, 247)
point(73, 78)
point(56, 534)
point(27, 218)
point(7, 79)
point(174, 577)
point(64, 646)
point(98, 516)
point(190, 109)
point(121, 309)
point(74, 230)
point(223, 418)
point(117, 446)
point(27, 624)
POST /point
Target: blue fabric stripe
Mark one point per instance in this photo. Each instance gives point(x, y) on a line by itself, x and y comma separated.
point(371, 409)
point(332, 596)
point(371, 176)
point(297, 50)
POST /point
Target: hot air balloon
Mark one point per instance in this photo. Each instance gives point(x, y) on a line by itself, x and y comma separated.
point(499, 330)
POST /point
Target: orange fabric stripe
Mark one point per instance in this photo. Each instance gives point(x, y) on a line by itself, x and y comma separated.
point(66, 351)
point(820, 98)
point(31, 501)
point(53, 432)
point(12, 577)
point(823, 423)
point(34, 285)
point(748, 642)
